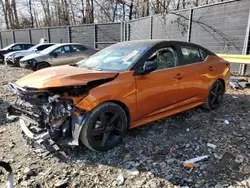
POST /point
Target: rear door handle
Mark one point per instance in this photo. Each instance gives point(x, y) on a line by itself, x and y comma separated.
point(211, 68)
point(178, 76)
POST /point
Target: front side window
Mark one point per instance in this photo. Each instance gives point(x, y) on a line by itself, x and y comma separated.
point(165, 58)
point(190, 55)
point(16, 47)
point(118, 57)
point(62, 50)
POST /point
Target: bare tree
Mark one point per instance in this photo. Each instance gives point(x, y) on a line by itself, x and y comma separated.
point(5, 14)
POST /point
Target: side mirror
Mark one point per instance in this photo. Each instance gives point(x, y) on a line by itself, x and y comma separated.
point(55, 54)
point(148, 67)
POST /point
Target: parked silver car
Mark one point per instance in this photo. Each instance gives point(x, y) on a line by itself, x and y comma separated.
point(59, 54)
point(14, 57)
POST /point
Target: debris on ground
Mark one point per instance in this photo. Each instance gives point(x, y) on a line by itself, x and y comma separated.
point(211, 145)
point(196, 159)
point(149, 156)
point(120, 179)
point(239, 83)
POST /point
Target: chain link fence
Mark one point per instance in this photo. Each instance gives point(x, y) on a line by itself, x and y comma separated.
point(221, 27)
point(95, 35)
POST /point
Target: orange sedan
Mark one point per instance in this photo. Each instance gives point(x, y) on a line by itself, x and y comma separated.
point(122, 86)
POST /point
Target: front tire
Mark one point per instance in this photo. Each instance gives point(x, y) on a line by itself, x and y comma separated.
point(215, 95)
point(105, 127)
point(42, 65)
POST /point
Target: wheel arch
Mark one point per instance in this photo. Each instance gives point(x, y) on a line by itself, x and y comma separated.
point(223, 82)
point(35, 67)
point(124, 107)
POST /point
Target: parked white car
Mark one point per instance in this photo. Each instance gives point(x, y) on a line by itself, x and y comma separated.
point(14, 57)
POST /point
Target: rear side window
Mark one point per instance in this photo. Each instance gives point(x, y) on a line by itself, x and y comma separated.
point(190, 55)
point(26, 46)
point(40, 48)
point(78, 48)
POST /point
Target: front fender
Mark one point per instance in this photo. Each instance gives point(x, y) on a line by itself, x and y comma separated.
point(121, 89)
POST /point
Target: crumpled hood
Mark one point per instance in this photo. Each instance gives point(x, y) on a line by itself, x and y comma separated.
point(31, 56)
point(62, 76)
point(24, 53)
point(9, 54)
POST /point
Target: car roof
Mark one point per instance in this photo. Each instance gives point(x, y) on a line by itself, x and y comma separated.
point(23, 43)
point(157, 41)
point(62, 44)
point(152, 42)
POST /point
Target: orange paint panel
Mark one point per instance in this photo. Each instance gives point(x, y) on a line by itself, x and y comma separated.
point(62, 76)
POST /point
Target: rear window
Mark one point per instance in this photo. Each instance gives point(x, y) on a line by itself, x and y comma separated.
point(78, 48)
point(190, 55)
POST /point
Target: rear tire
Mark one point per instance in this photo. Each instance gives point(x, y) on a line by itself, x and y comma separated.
point(42, 65)
point(105, 127)
point(215, 95)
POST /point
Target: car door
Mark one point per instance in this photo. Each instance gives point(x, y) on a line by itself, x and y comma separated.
point(158, 91)
point(194, 67)
point(61, 56)
point(78, 53)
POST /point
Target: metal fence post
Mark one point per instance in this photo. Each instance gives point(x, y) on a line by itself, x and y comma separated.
point(128, 32)
point(190, 25)
point(69, 34)
point(121, 31)
point(30, 37)
point(95, 32)
point(1, 41)
point(14, 37)
point(49, 37)
point(246, 43)
point(151, 27)
point(125, 31)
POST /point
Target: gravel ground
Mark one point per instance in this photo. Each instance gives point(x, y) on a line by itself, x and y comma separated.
point(150, 156)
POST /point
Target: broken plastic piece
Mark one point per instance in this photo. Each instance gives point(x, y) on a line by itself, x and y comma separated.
point(189, 165)
point(120, 179)
point(211, 145)
point(195, 160)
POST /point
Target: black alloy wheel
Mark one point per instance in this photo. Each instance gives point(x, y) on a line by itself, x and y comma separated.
point(215, 95)
point(105, 127)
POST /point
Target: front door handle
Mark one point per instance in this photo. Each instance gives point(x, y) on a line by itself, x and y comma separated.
point(178, 76)
point(211, 68)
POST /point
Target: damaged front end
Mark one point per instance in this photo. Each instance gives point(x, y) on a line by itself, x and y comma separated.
point(50, 114)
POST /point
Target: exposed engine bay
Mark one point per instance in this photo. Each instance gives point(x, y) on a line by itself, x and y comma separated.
point(51, 113)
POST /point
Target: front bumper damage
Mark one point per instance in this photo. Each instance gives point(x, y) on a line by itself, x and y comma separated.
point(30, 124)
point(29, 64)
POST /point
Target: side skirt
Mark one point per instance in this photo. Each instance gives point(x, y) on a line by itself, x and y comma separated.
point(165, 114)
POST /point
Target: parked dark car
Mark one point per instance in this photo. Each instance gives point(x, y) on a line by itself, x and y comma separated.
point(12, 48)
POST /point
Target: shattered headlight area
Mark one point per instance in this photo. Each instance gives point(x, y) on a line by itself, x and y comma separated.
point(45, 115)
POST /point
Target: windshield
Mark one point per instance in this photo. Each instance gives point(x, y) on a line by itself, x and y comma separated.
point(7, 47)
point(118, 57)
